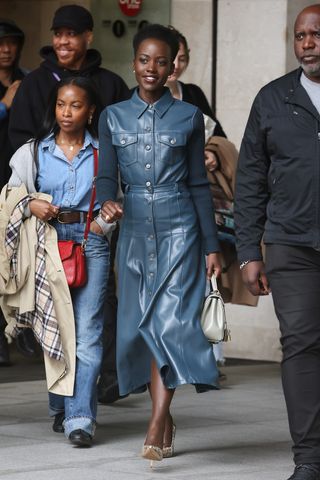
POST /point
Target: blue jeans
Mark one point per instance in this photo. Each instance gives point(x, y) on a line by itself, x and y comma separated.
point(88, 303)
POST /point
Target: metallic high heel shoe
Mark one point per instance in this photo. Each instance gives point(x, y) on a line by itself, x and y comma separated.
point(168, 452)
point(152, 453)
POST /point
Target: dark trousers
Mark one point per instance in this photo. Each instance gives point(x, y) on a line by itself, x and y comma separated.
point(3, 323)
point(108, 368)
point(294, 276)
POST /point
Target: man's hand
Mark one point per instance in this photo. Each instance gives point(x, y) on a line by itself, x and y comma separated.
point(213, 265)
point(43, 209)
point(10, 93)
point(111, 211)
point(254, 277)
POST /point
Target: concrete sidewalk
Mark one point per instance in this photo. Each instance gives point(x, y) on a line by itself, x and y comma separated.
point(237, 433)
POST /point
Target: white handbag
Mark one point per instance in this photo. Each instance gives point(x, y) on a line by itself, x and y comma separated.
point(213, 317)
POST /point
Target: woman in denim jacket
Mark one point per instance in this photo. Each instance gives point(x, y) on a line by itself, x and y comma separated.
point(63, 167)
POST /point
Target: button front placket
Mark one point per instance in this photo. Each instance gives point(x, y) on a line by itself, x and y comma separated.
point(71, 186)
point(149, 154)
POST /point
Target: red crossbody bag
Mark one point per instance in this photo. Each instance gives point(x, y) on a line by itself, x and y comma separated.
point(72, 253)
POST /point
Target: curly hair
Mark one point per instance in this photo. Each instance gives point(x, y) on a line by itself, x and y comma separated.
point(158, 32)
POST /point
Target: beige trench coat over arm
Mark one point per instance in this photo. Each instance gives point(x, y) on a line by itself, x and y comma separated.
point(18, 293)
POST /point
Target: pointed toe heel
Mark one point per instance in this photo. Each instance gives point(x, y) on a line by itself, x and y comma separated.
point(152, 453)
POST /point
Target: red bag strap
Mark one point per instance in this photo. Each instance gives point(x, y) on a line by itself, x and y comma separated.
point(93, 197)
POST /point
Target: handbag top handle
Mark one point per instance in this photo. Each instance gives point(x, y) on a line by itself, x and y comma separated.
point(92, 199)
point(213, 281)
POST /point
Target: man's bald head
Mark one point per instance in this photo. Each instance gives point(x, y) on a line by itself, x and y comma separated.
point(311, 9)
point(307, 41)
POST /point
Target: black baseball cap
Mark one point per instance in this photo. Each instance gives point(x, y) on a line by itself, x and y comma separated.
point(9, 29)
point(73, 16)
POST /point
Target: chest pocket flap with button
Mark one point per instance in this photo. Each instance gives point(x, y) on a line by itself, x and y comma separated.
point(126, 145)
point(171, 144)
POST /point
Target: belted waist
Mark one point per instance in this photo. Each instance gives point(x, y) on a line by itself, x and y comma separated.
point(149, 188)
point(73, 216)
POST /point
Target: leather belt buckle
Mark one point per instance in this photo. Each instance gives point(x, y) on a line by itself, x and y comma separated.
point(62, 213)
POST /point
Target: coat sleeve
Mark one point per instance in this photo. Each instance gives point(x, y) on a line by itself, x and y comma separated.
point(107, 181)
point(251, 193)
point(122, 91)
point(23, 168)
point(26, 112)
point(199, 186)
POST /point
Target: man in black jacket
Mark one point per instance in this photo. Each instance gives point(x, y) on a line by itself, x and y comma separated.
point(70, 55)
point(278, 198)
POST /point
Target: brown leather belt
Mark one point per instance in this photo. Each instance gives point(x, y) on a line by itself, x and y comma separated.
point(74, 216)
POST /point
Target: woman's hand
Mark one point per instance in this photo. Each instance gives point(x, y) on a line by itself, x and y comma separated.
point(111, 211)
point(10, 93)
point(95, 228)
point(43, 209)
point(213, 265)
point(211, 160)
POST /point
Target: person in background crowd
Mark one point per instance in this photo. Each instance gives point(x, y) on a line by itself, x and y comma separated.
point(157, 145)
point(11, 43)
point(71, 55)
point(221, 173)
point(189, 92)
point(278, 198)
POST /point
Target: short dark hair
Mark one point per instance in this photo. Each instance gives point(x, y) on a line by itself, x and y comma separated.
point(181, 39)
point(50, 124)
point(159, 32)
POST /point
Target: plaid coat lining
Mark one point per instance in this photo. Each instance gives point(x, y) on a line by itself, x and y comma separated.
point(42, 319)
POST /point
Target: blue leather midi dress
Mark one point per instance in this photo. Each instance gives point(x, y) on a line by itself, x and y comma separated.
point(167, 227)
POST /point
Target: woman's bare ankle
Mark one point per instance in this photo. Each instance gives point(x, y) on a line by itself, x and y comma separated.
point(155, 434)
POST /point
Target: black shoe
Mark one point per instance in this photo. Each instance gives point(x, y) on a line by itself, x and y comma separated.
point(26, 343)
point(4, 351)
point(108, 392)
point(306, 471)
point(222, 376)
point(57, 425)
point(80, 438)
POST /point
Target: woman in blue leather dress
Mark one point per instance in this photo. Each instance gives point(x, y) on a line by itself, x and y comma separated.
point(167, 227)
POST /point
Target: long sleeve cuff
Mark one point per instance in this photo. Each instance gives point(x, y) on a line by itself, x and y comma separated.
point(211, 245)
point(3, 111)
point(107, 228)
point(249, 253)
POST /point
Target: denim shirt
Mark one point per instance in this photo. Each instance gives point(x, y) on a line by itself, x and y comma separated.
point(69, 183)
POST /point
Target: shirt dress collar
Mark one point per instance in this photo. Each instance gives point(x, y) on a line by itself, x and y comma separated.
point(160, 107)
